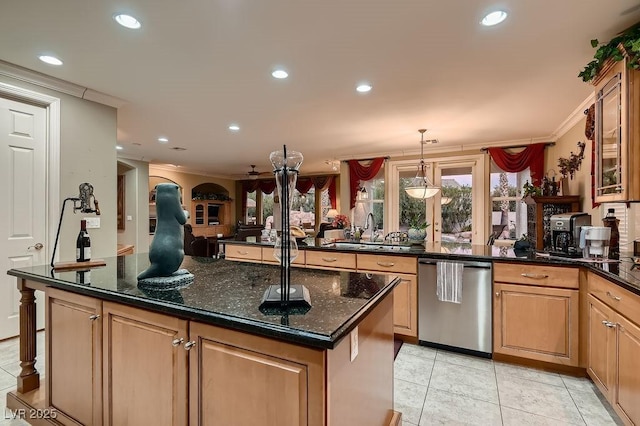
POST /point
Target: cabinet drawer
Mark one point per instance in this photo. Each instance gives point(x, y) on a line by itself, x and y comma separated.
point(623, 301)
point(243, 253)
point(267, 257)
point(382, 263)
point(331, 260)
point(544, 276)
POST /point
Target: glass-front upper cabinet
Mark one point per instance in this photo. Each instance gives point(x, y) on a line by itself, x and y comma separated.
point(617, 160)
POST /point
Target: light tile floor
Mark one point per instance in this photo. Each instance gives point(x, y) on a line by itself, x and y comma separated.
point(9, 370)
point(437, 387)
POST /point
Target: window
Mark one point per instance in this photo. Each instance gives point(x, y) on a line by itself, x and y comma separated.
point(250, 217)
point(267, 210)
point(371, 200)
point(303, 209)
point(508, 212)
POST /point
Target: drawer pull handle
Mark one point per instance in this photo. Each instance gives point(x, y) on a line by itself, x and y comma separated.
point(497, 294)
point(386, 264)
point(243, 253)
point(613, 296)
point(94, 317)
point(535, 276)
point(177, 342)
point(609, 324)
point(329, 259)
point(189, 345)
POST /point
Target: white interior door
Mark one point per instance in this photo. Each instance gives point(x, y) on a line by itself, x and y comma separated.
point(23, 210)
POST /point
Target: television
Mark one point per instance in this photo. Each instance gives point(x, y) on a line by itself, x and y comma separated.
point(213, 214)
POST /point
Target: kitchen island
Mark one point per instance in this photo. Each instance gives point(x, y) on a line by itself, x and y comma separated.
point(206, 354)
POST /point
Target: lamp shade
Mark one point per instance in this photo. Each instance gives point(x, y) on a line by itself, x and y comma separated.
point(332, 213)
point(421, 192)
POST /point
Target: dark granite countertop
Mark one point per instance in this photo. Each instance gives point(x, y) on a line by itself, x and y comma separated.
point(228, 294)
point(622, 273)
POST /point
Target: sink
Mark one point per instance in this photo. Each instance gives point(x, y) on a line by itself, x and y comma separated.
point(368, 246)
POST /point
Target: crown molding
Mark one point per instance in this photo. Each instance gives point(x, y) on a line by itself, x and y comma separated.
point(574, 118)
point(26, 75)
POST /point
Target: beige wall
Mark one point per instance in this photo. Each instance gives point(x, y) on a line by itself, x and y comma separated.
point(188, 181)
point(136, 205)
point(87, 154)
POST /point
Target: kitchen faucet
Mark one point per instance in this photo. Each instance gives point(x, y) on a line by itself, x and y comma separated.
point(368, 224)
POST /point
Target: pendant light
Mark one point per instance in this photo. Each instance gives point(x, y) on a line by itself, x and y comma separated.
point(421, 187)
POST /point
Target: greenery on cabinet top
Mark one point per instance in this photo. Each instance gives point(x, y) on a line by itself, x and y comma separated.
point(209, 191)
point(627, 43)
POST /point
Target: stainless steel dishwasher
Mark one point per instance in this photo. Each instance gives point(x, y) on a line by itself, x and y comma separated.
point(463, 327)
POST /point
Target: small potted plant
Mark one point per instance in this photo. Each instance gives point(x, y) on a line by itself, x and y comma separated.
point(417, 231)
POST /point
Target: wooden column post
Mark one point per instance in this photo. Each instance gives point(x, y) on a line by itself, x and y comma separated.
point(29, 378)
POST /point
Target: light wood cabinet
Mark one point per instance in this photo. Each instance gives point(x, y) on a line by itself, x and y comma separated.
point(405, 295)
point(74, 358)
point(537, 322)
point(257, 380)
point(243, 252)
point(614, 346)
point(617, 133)
point(601, 346)
point(145, 365)
point(405, 306)
point(159, 370)
point(211, 217)
point(331, 260)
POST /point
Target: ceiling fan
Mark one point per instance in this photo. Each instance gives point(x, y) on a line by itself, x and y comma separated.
point(253, 173)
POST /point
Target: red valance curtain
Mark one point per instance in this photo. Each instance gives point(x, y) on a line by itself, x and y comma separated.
point(303, 185)
point(358, 173)
point(532, 157)
point(265, 185)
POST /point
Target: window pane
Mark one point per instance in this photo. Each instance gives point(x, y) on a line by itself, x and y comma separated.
point(457, 214)
point(303, 209)
point(412, 210)
point(508, 212)
point(250, 217)
point(267, 210)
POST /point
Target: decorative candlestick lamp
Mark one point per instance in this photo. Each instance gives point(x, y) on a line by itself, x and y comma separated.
point(285, 296)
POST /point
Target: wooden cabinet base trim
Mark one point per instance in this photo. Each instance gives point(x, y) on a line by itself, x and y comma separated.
point(33, 400)
point(541, 365)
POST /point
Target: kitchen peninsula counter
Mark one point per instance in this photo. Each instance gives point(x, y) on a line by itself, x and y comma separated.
point(210, 342)
point(622, 273)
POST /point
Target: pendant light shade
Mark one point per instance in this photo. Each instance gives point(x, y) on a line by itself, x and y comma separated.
point(421, 187)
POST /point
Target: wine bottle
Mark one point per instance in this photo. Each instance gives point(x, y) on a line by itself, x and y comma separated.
point(83, 244)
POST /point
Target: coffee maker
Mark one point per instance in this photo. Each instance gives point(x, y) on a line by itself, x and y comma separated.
point(565, 233)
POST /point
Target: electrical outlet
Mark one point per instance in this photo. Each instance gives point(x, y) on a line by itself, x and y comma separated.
point(129, 217)
point(92, 222)
point(354, 344)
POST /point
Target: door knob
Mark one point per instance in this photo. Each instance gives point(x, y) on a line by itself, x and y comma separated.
point(37, 246)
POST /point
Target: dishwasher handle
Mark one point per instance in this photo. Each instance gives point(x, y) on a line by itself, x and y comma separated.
point(466, 263)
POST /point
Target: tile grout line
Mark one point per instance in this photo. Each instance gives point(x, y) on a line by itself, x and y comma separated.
point(428, 386)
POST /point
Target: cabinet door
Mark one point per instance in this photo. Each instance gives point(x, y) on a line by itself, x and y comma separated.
point(239, 379)
point(536, 322)
point(145, 367)
point(405, 306)
point(627, 398)
point(74, 361)
point(601, 346)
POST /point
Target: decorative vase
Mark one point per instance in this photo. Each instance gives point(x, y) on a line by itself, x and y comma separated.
point(417, 235)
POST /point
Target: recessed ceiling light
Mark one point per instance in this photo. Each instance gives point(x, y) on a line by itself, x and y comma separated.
point(127, 21)
point(234, 127)
point(119, 147)
point(364, 87)
point(280, 74)
point(494, 18)
point(51, 60)
point(163, 140)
